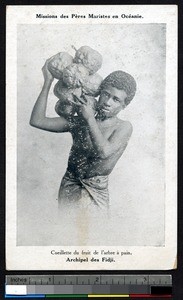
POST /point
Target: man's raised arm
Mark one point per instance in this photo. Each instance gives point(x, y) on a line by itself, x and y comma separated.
point(38, 117)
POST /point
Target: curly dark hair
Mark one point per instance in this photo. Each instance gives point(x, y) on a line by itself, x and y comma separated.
point(122, 81)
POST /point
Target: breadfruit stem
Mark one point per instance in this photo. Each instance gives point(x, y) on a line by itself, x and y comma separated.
point(74, 47)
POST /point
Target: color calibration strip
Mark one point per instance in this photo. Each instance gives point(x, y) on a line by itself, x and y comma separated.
point(86, 286)
point(90, 296)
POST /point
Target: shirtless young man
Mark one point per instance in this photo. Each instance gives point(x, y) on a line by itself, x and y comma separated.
point(99, 138)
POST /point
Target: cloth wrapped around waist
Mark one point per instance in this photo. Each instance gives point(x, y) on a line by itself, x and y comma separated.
point(84, 191)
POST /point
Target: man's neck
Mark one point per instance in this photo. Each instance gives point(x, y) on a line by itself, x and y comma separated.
point(106, 120)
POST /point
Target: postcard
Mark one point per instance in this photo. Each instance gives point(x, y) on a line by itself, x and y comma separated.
point(91, 122)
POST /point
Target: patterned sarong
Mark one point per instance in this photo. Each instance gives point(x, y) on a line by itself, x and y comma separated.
point(84, 191)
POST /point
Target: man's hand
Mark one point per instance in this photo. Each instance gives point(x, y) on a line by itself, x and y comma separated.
point(46, 73)
point(86, 106)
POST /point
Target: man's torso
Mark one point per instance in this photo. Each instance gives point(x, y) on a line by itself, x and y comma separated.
point(84, 160)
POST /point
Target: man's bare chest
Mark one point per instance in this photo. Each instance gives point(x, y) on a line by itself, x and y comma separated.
point(83, 134)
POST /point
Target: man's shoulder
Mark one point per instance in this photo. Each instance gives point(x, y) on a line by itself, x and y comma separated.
point(124, 126)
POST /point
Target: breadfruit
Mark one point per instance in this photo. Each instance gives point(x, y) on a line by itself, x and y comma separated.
point(64, 109)
point(91, 84)
point(58, 63)
point(74, 75)
point(64, 93)
point(89, 57)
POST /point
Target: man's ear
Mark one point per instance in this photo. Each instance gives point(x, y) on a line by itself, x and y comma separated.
point(126, 102)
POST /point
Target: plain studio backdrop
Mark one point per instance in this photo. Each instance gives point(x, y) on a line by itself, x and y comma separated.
point(137, 183)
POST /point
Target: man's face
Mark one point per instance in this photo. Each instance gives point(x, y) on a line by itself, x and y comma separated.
point(111, 101)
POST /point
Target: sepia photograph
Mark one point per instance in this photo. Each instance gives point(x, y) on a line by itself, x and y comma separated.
point(91, 131)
